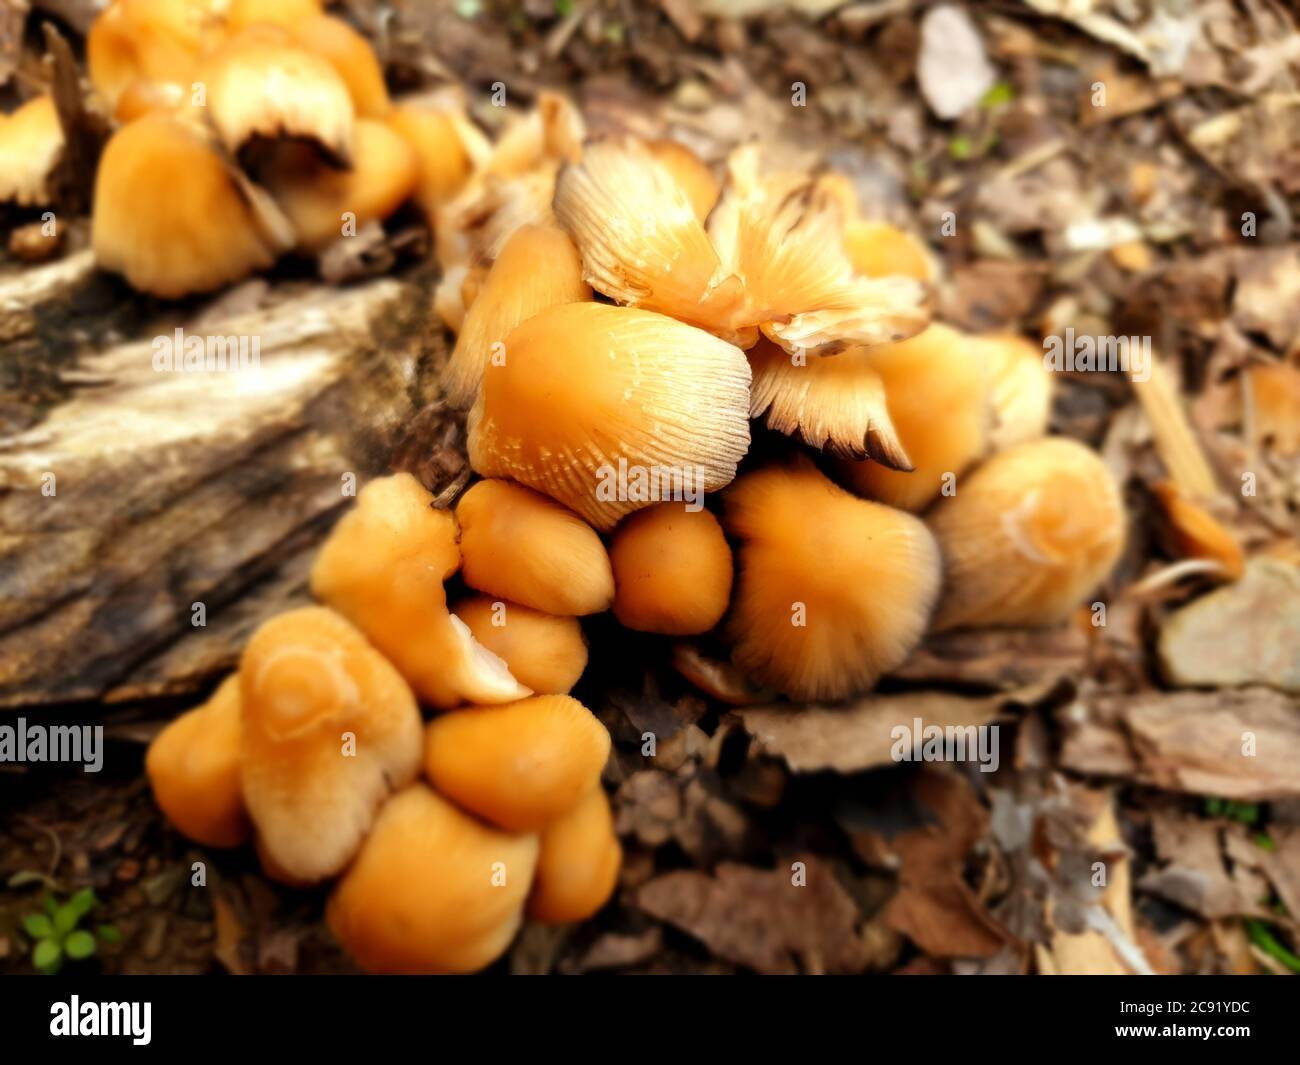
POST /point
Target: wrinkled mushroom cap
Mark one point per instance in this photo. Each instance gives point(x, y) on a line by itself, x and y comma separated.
point(518, 766)
point(517, 544)
point(577, 869)
point(193, 768)
point(433, 890)
point(329, 728)
point(672, 570)
point(832, 592)
point(543, 652)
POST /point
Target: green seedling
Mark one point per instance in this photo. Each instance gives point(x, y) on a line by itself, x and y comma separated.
point(56, 935)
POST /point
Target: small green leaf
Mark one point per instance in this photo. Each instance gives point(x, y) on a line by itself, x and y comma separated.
point(1214, 807)
point(81, 944)
point(1263, 938)
point(109, 933)
point(83, 902)
point(47, 956)
point(1264, 841)
point(65, 919)
point(38, 926)
point(563, 7)
point(1001, 93)
point(51, 903)
point(960, 148)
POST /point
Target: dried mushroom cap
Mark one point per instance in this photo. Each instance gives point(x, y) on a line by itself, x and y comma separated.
point(432, 890)
point(538, 268)
point(262, 84)
point(781, 235)
point(157, 41)
point(517, 544)
point(383, 568)
point(319, 199)
point(577, 869)
point(672, 570)
point(937, 393)
point(641, 241)
point(688, 170)
point(351, 56)
point(609, 409)
point(170, 237)
point(329, 729)
point(31, 147)
point(1030, 533)
point(1021, 388)
point(837, 405)
point(545, 653)
point(877, 249)
point(832, 591)
point(519, 766)
point(193, 768)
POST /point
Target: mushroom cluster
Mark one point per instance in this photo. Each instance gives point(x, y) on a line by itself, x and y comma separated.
point(444, 835)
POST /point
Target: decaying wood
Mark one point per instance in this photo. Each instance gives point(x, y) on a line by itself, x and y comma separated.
point(129, 494)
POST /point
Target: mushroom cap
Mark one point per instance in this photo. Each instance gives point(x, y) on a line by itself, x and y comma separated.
point(315, 196)
point(609, 409)
point(577, 868)
point(1029, 533)
point(837, 404)
point(432, 890)
point(688, 170)
point(937, 392)
point(538, 268)
point(443, 159)
point(519, 766)
point(517, 544)
point(383, 568)
point(160, 41)
point(171, 237)
point(877, 249)
point(833, 591)
point(351, 56)
point(31, 145)
point(1021, 388)
point(329, 728)
point(545, 653)
point(193, 768)
point(244, 13)
point(672, 570)
point(262, 83)
point(641, 241)
point(143, 97)
point(1272, 391)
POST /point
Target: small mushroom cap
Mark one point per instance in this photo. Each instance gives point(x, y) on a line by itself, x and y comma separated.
point(836, 404)
point(877, 249)
point(193, 768)
point(577, 869)
point(261, 83)
point(383, 568)
point(609, 409)
point(432, 890)
point(517, 544)
point(937, 392)
point(545, 653)
point(1029, 533)
point(351, 56)
point(443, 159)
point(160, 41)
point(833, 591)
point(31, 145)
point(329, 728)
point(1021, 388)
point(316, 197)
point(144, 97)
point(171, 237)
point(672, 570)
point(538, 268)
point(245, 13)
point(519, 766)
point(688, 170)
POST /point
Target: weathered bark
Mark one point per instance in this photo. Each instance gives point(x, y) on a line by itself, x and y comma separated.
point(171, 489)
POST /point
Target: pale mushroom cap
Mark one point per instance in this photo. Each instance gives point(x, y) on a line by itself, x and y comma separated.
point(877, 249)
point(193, 768)
point(261, 83)
point(833, 591)
point(171, 237)
point(672, 570)
point(577, 869)
point(517, 544)
point(351, 56)
point(937, 392)
point(518, 766)
point(688, 170)
point(609, 409)
point(1021, 392)
point(433, 890)
point(31, 145)
point(320, 200)
point(329, 728)
point(444, 163)
point(545, 653)
point(1028, 535)
point(383, 568)
point(538, 268)
point(161, 41)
